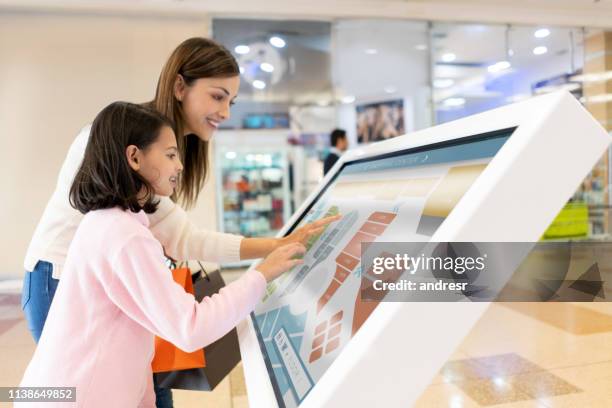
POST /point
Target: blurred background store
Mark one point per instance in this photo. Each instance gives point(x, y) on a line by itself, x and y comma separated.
point(378, 79)
point(303, 74)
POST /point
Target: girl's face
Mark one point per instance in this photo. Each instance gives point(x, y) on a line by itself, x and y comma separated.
point(206, 103)
point(159, 163)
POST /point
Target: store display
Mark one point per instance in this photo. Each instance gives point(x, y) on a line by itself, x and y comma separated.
point(266, 121)
point(254, 192)
point(380, 121)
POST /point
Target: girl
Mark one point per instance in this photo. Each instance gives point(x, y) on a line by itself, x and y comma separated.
point(116, 292)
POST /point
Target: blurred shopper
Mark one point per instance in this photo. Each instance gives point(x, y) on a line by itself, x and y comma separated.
point(339, 144)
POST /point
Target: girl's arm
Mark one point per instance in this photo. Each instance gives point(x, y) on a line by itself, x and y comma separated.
point(142, 288)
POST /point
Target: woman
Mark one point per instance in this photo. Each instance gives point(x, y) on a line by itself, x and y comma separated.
point(196, 88)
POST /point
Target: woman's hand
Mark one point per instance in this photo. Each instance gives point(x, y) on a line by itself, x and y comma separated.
point(281, 260)
point(251, 248)
point(303, 234)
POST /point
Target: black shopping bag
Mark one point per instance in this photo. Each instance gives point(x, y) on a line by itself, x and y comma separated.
point(221, 356)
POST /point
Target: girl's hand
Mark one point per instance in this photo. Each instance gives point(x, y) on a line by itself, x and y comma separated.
point(303, 234)
point(281, 260)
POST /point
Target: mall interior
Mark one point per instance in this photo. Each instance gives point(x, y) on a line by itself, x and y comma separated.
point(377, 69)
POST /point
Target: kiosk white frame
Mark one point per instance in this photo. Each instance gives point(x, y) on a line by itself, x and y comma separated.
point(400, 348)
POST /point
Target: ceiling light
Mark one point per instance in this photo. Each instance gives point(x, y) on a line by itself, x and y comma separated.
point(498, 67)
point(448, 57)
point(371, 51)
point(540, 50)
point(454, 102)
point(277, 42)
point(443, 83)
point(259, 84)
point(390, 89)
point(242, 49)
point(501, 65)
point(266, 67)
point(499, 382)
point(542, 33)
point(348, 99)
point(421, 47)
point(230, 155)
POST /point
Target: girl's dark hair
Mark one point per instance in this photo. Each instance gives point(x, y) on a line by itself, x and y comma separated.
point(105, 179)
point(193, 59)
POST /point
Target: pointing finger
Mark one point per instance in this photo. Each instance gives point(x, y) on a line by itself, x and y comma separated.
point(326, 220)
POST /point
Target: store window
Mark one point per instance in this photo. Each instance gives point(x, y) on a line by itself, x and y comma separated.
point(380, 73)
point(267, 153)
point(255, 186)
point(379, 79)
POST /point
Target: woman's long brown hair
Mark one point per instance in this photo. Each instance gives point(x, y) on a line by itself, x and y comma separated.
point(194, 58)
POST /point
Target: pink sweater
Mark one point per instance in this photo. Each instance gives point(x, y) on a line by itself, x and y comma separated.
point(115, 294)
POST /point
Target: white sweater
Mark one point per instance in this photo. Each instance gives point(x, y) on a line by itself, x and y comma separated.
point(169, 224)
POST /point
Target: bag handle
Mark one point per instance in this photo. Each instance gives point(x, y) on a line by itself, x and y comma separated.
point(203, 271)
point(174, 265)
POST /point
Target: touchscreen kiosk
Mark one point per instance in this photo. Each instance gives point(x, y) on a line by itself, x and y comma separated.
point(498, 176)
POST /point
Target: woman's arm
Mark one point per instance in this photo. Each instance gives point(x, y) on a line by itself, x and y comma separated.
point(182, 240)
point(251, 248)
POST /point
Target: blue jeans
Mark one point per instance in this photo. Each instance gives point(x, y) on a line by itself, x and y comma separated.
point(38, 291)
point(36, 296)
point(163, 396)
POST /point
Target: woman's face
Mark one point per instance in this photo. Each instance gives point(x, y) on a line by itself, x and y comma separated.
point(206, 103)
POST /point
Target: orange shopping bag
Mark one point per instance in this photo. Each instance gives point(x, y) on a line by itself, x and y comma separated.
point(168, 357)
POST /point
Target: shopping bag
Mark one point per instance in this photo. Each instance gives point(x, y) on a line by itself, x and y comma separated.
point(167, 356)
point(221, 356)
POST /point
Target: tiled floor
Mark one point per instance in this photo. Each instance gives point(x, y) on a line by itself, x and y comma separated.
point(518, 355)
point(530, 355)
